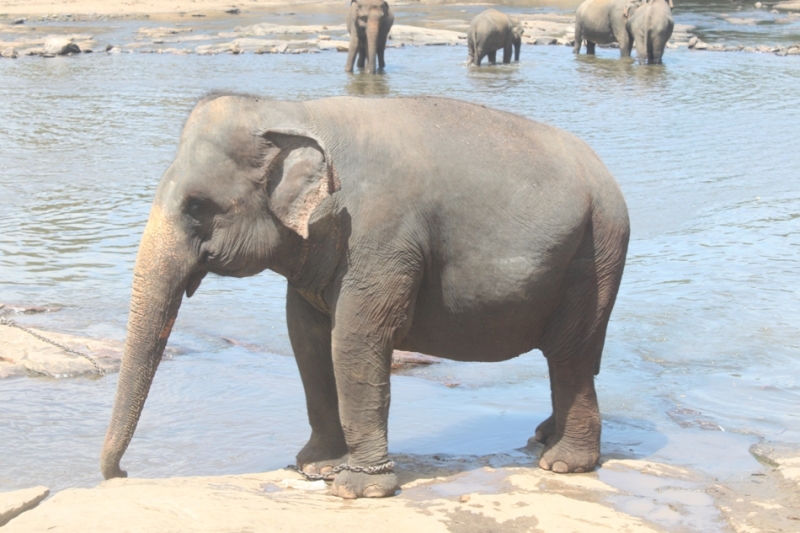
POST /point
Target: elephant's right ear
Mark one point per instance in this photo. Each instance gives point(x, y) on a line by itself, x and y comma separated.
point(299, 176)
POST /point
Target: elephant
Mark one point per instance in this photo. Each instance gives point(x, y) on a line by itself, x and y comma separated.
point(650, 27)
point(604, 22)
point(491, 31)
point(368, 22)
point(421, 224)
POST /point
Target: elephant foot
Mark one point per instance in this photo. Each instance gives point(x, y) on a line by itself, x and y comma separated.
point(315, 458)
point(565, 458)
point(545, 430)
point(351, 485)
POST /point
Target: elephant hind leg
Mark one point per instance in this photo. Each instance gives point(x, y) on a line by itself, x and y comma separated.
point(492, 57)
point(589, 48)
point(573, 343)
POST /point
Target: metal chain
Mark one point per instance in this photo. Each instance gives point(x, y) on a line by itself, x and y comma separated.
point(9, 322)
point(384, 468)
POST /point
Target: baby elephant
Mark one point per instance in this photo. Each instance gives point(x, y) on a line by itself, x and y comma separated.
point(650, 27)
point(604, 22)
point(490, 31)
point(368, 22)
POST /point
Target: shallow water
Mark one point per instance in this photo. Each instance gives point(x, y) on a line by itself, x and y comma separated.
point(702, 352)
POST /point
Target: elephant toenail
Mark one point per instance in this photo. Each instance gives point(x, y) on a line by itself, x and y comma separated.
point(543, 465)
point(579, 470)
point(560, 467)
point(374, 491)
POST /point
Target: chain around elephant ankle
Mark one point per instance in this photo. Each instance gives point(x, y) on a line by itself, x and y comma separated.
point(384, 468)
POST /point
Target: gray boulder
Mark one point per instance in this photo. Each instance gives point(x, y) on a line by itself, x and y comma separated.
point(60, 46)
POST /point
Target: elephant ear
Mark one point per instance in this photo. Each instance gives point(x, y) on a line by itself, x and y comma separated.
point(299, 176)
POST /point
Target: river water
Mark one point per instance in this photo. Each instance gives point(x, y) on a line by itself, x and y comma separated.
point(703, 352)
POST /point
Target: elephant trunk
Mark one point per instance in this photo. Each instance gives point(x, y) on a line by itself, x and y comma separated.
point(160, 276)
point(373, 26)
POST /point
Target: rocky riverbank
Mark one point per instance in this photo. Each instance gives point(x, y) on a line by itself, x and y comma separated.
point(456, 494)
point(221, 31)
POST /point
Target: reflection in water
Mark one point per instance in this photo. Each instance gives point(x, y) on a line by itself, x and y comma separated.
point(363, 84)
point(707, 318)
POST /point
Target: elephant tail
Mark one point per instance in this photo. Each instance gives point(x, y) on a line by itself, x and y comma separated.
point(610, 234)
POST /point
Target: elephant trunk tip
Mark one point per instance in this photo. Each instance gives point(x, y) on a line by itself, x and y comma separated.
point(111, 469)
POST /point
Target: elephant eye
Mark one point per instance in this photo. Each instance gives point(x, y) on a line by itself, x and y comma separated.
point(194, 207)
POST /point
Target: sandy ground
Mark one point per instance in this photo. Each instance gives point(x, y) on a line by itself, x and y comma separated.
point(144, 7)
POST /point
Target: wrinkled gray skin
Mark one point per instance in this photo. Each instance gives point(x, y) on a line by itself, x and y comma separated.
point(479, 239)
point(604, 22)
point(491, 31)
point(368, 22)
point(650, 27)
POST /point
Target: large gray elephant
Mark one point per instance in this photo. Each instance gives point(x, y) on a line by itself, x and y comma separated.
point(650, 27)
point(604, 22)
point(368, 22)
point(421, 224)
point(491, 31)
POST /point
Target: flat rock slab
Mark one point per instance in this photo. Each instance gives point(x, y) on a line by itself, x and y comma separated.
point(13, 504)
point(475, 499)
point(787, 6)
point(23, 354)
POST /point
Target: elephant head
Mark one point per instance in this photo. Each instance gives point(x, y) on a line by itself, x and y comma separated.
point(369, 14)
point(237, 199)
point(631, 7)
point(516, 31)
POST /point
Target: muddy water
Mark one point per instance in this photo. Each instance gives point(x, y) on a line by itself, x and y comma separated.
point(702, 353)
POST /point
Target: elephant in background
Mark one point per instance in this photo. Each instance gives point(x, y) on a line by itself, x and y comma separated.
point(419, 224)
point(491, 31)
point(650, 27)
point(604, 22)
point(368, 22)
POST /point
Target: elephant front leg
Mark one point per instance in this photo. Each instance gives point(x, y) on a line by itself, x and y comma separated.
point(507, 51)
point(352, 51)
point(492, 57)
point(362, 362)
point(310, 334)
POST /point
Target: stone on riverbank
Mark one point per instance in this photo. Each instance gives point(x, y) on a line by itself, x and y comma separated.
point(13, 504)
point(416, 36)
point(439, 495)
point(794, 5)
point(60, 46)
point(23, 354)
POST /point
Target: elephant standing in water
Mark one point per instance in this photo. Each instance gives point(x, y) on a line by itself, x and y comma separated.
point(421, 224)
point(604, 22)
point(491, 31)
point(368, 22)
point(650, 28)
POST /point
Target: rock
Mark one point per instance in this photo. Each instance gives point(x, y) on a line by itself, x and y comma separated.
point(13, 504)
point(23, 354)
point(545, 41)
point(339, 46)
point(233, 11)
point(260, 30)
point(697, 44)
point(758, 5)
point(59, 46)
point(19, 21)
point(282, 501)
point(793, 5)
point(9, 53)
point(403, 360)
point(414, 35)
